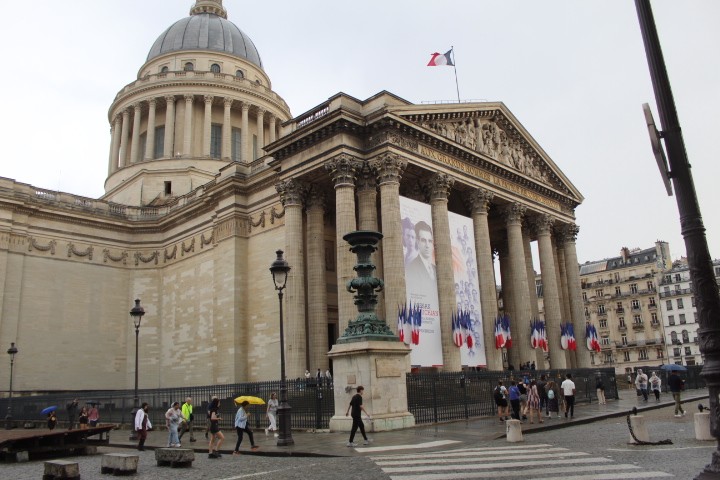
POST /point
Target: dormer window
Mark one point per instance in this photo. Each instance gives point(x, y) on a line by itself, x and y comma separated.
point(189, 67)
point(215, 68)
point(239, 74)
point(164, 69)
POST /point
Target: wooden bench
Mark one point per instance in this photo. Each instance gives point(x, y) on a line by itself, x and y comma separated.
point(61, 469)
point(119, 463)
point(174, 457)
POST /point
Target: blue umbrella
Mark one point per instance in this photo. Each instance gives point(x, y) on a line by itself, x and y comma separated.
point(47, 410)
point(672, 366)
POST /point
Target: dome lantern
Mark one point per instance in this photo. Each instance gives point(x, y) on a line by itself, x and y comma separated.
point(209, 6)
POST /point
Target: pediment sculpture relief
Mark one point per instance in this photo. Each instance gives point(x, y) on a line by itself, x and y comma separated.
point(488, 138)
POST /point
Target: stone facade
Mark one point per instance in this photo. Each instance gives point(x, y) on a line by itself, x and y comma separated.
point(209, 174)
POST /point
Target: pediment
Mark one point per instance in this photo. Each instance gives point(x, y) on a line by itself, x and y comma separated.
point(490, 130)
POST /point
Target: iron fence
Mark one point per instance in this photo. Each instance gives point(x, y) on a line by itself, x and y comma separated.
point(312, 404)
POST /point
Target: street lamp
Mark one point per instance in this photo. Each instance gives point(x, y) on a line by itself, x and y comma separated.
point(279, 270)
point(136, 313)
point(8, 418)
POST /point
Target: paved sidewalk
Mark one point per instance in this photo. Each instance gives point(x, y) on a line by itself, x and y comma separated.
point(423, 437)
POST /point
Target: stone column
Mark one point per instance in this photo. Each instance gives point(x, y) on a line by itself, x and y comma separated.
point(135, 144)
point(513, 354)
point(440, 185)
point(169, 127)
point(244, 135)
point(207, 125)
point(539, 355)
point(272, 127)
point(261, 131)
point(388, 168)
point(575, 295)
point(551, 298)
point(227, 129)
point(519, 326)
point(479, 203)
point(187, 127)
point(150, 137)
point(368, 220)
point(343, 169)
point(317, 287)
point(559, 250)
point(291, 195)
point(115, 144)
point(124, 138)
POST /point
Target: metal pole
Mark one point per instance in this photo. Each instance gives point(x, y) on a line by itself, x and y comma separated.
point(284, 419)
point(692, 228)
point(8, 417)
point(136, 400)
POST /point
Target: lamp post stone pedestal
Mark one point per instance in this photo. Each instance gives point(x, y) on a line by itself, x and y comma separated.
point(368, 353)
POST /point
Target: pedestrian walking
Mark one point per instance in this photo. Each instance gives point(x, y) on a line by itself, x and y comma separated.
point(272, 406)
point(542, 393)
point(523, 387)
point(328, 378)
point(83, 418)
point(514, 395)
point(676, 385)
point(173, 417)
point(355, 408)
point(51, 421)
point(553, 403)
point(187, 420)
point(500, 395)
point(318, 378)
point(641, 383)
point(568, 388)
point(72, 410)
point(600, 390)
point(533, 401)
point(241, 426)
point(655, 384)
point(93, 415)
point(216, 436)
point(142, 425)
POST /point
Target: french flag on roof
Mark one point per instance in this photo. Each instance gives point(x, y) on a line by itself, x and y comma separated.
point(441, 59)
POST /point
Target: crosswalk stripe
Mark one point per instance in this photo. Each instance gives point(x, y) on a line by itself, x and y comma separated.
point(386, 448)
point(507, 474)
point(463, 461)
point(610, 476)
point(505, 464)
point(474, 452)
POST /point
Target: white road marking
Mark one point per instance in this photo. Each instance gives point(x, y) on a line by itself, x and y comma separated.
point(505, 464)
point(463, 461)
point(266, 472)
point(386, 448)
point(506, 473)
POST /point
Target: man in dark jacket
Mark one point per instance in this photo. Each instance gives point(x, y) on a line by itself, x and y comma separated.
point(676, 384)
point(72, 410)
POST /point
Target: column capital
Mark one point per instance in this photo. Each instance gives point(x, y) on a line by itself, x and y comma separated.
point(343, 169)
point(170, 99)
point(261, 112)
point(245, 107)
point(126, 113)
point(189, 97)
point(315, 198)
point(542, 224)
point(227, 102)
point(479, 200)
point(137, 106)
point(152, 102)
point(118, 118)
point(365, 180)
point(208, 98)
point(513, 213)
point(388, 167)
point(439, 185)
point(567, 232)
point(292, 192)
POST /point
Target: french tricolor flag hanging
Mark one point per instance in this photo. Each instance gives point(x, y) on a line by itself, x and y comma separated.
point(567, 337)
point(543, 336)
point(506, 330)
point(456, 332)
point(499, 336)
point(591, 338)
point(466, 328)
point(441, 59)
point(415, 318)
point(534, 334)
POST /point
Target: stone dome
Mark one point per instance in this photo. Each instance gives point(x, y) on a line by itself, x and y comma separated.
point(206, 30)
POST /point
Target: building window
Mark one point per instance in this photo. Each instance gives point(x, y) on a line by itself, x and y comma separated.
point(215, 140)
point(671, 319)
point(678, 277)
point(236, 144)
point(617, 277)
point(637, 320)
point(642, 354)
point(605, 341)
point(667, 290)
point(164, 69)
point(688, 351)
point(690, 361)
point(168, 188)
point(601, 308)
point(189, 67)
point(159, 142)
point(651, 301)
point(680, 303)
point(635, 304)
point(587, 312)
point(650, 286)
point(617, 291)
point(668, 304)
point(653, 318)
point(215, 68)
point(599, 294)
point(673, 338)
point(682, 319)
point(626, 356)
point(623, 339)
point(676, 352)
point(659, 353)
point(239, 74)
point(584, 294)
point(633, 288)
point(621, 321)
point(685, 336)
point(603, 323)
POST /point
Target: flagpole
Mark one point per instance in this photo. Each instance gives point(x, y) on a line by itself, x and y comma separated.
point(452, 49)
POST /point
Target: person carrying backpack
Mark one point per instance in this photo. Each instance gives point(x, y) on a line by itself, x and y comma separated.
point(500, 397)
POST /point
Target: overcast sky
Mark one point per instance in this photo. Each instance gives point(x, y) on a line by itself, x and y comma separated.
point(573, 72)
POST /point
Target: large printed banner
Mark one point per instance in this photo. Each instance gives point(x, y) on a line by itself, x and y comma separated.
point(421, 281)
point(467, 291)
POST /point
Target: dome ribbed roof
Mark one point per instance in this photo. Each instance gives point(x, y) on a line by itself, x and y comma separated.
point(206, 31)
